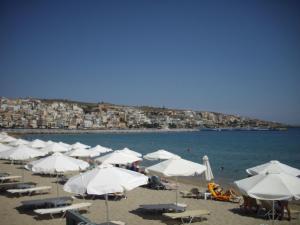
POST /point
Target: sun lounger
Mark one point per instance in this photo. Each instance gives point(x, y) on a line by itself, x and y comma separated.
point(16, 185)
point(75, 218)
point(165, 207)
point(9, 178)
point(188, 215)
point(47, 202)
point(63, 210)
point(4, 174)
point(193, 193)
point(29, 191)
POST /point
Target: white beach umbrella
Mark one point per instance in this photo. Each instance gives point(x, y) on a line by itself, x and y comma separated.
point(160, 155)
point(100, 149)
point(65, 145)
point(208, 172)
point(176, 167)
point(3, 135)
point(131, 152)
point(105, 179)
point(50, 142)
point(37, 143)
point(19, 142)
point(273, 165)
point(117, 157)
point(79, 145)
point(270, 186)
point(54, 147)
point(57, 163)
point(4, 147)
point(8, 139)
point(82, 152)
point(20, 153)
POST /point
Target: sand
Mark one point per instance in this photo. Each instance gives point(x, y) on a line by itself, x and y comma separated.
point(222, 213)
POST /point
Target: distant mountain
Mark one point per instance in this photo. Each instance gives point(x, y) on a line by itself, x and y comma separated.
point(68, 114)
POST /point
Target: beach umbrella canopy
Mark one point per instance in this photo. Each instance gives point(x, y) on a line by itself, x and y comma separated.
point(82, 152)
point(79, 145)
point(4, 147)
point(100, 149)
point(8, 139)
point(65, 145)
point(176, 167)
point(160, 155)
point(118, 157)
point(273, 165)
point(3, 135)
point(50, 142)
point(37, 143)
point(208, 172)
point(57, 163)
point(270, 186)
point(131, 152)
point(54, 147)
point(19, 142)
point(103, 180)
point(20, 153)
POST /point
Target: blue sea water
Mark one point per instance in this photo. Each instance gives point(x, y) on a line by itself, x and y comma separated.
point(229, 152)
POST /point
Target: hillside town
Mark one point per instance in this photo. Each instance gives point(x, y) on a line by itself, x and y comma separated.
point(63, 114)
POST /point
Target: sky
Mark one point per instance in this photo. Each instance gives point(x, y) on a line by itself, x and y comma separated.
point(235, 57)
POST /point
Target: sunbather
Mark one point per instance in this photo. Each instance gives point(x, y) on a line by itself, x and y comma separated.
point(219, 194)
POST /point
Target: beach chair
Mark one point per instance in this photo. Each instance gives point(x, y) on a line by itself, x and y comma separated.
point(179, 207)
point(16, 185)
point(266, 209)
point(62, 210)
point(9, 178)
point(155, 183)
point(249, 204)
point(47, 202)
point(75, 218)
point(193, 193)
point(188, 215)
point(30, 191)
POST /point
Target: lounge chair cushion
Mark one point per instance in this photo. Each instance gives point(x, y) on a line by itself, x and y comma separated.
point(63, 209)
point(29, 190)
point(165, 207)
point(189, 214)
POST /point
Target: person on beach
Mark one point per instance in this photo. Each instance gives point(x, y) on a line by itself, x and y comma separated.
point(281, 206)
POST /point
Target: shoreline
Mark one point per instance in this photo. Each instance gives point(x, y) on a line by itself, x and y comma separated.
point(84, 131)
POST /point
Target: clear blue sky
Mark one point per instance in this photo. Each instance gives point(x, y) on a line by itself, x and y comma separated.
point(237, 57)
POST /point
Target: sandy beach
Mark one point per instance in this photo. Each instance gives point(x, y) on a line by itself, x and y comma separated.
point(222, 213)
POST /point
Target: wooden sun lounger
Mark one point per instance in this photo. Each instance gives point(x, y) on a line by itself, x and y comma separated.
point(75, 218)
point(15, 185)
point(179, 207)
point(48, 202)
point(188, 215)
point(21, 191)
point(63, 209)
point(9, 178)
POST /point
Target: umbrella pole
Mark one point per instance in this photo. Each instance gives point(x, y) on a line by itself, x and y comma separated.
point(23, 174)
point(107, 211)
point(57, 191)
point(176, 190)
point(273, 212)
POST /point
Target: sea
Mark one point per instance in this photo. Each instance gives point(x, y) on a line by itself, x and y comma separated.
point(230, 152)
